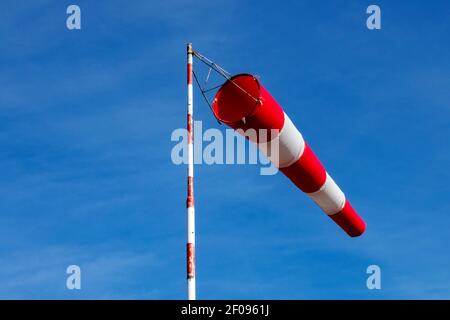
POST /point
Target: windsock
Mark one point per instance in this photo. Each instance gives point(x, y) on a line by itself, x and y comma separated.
point(243, 103)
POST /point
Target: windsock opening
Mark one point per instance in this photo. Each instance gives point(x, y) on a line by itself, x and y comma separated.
point(237, 99)
point(243, 103)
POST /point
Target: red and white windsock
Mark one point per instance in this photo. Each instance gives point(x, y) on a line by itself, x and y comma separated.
point(243, 103)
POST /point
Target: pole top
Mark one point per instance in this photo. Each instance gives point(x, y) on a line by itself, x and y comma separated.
point(189, 48)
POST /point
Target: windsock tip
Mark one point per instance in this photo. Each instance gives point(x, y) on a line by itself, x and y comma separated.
point(349, 221)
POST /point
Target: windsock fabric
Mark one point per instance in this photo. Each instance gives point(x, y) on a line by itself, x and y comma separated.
point(243, 103)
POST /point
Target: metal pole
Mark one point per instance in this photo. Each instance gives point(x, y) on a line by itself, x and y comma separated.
point(190, 249)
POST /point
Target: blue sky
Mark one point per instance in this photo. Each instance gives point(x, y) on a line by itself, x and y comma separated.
point(87, 179)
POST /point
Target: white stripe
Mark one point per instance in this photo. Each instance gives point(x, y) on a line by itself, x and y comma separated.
point(190, 99)
point(191, 289)
point(329, 197)
point(190, 160)
point(287, 147)
point(191, 225)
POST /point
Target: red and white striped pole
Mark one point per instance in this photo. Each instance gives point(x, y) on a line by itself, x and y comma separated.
point(243, 103)
point(190, 248)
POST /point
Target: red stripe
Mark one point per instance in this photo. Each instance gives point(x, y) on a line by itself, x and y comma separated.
point(349, 220)
point(307, 172)
point(190, 259)
point(189, 128)
point(189, 73)
point(190, 196)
